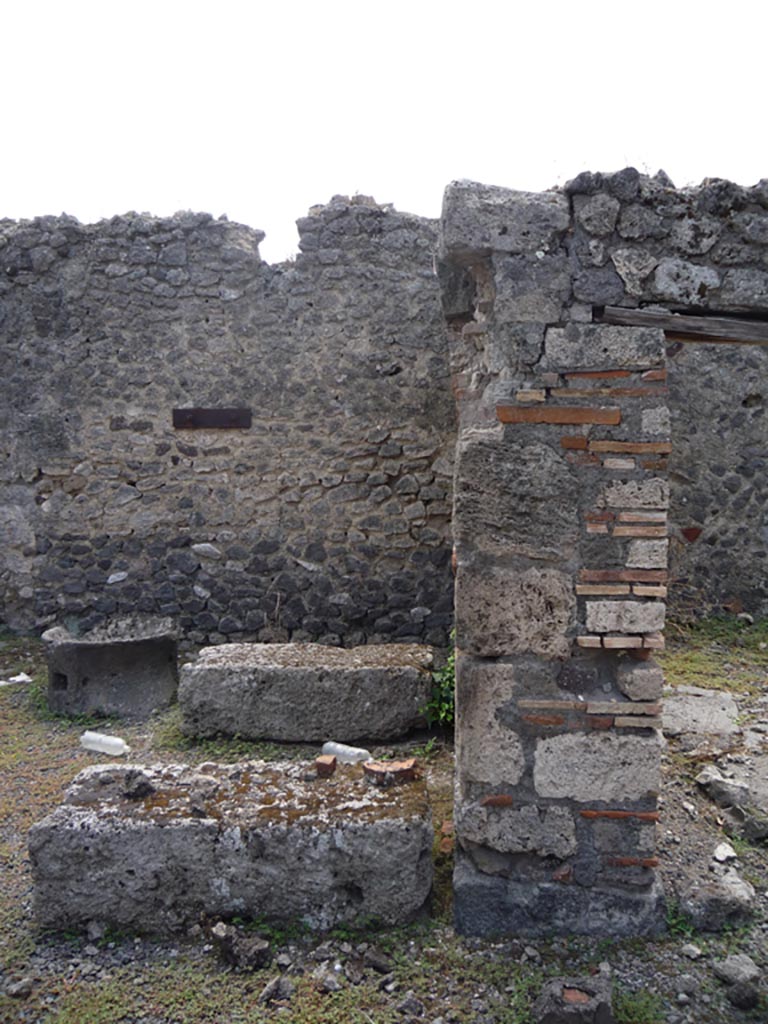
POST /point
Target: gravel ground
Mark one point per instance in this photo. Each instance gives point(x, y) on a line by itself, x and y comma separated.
point(423, 973)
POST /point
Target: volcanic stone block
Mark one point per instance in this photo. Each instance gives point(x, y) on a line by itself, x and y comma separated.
point(515, 498)
point(126, 668)
point(640, 680)
point(585, 346)
point(496, 905)
point(153, 848)
point(625, 616)
point(531, 291)
point(653, 493)
point(648, 554)
point(305, 692)
point(590, 767)
point(478, 218)
point(501, 611)
point(487, 750)
point(682, 282)
point(548, 831)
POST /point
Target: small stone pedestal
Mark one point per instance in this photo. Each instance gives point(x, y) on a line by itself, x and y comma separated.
point(127, 668)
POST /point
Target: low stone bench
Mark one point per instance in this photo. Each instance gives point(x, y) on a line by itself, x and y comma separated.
point(126, 668)
point(151, 849)
point(305, 692)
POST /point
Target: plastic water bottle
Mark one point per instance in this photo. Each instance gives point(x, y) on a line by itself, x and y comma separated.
point(345, 754)
point(98, 741)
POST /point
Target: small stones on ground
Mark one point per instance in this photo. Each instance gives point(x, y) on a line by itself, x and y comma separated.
point(21, 989)
point(690, 810)
point(378, 961)
point(724, 852)
point(278, 987)
point(687, 984)
point(95, 930)
point(411, 1005)
point(327, 979)
point(246, 952)
point(354, 971)
point(736, 968)
point(743, 995)
point(712, 903)
point(692, 951)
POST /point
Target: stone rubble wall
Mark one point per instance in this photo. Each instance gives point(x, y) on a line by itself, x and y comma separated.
point(328, 519)
point(639, 241)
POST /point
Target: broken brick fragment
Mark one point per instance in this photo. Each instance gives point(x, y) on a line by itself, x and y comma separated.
point(543, 720)
point(599, 721)
point(575, 995)
point(618, 815)
point(558, 414)
point(387, 773)
point(497, 800)
point(574, 442)
point(633, 862)
point(325, 765)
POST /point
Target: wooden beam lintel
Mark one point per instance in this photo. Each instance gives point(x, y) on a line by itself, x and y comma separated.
point(682, 327)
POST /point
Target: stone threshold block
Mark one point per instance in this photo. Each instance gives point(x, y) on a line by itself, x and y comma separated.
point(126, 668)
point(305, 692)
point(151, 849)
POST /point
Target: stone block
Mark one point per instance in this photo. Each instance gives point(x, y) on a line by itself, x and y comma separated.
point(480, 218)
point(598, 214)
point(648, 554)
point(488, 905)
point(500, 611)
point(531, 290)
point(127, 668)
point(656, 421)
point(633, 266)
point(692, 709)
point(591, 767)
point(305, 692)
point(653, 493)
point(598, 285)
point(625, 616)
point(712, 903)
point(679, 281)
point(546, 831)
point(601, 346)
point(152, 848)
point(612, 837)
point(745, 288)
point(487, 750)
point(640, 680)
point(515, 498)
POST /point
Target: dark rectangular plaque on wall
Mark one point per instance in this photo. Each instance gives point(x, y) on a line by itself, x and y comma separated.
point(212, 419)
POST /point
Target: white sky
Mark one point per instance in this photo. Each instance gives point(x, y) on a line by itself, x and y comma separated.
point(260, 110)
